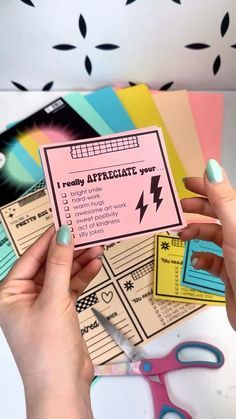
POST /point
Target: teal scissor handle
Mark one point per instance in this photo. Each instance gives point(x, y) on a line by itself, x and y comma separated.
point(219, 356)
point(168, 409)
point(162, 403)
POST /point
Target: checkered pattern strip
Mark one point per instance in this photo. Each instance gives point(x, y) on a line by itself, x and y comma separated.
point(39, 185)
point(177, 242)
point(86, 302)
point(144, 270)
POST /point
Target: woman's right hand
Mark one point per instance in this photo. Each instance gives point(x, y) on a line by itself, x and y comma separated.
point(218, 200)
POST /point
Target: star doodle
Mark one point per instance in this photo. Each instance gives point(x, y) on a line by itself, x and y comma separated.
point(83, 31)
point(11, 212)
point(165, 245)
point(128, 285)
point(199, 45)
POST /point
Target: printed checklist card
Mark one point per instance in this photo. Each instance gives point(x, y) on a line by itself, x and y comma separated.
point(112, 188)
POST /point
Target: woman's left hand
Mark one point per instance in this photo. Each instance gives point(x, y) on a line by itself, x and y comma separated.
point(38, 315)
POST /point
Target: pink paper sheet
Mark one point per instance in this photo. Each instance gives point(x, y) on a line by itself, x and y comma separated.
point(207, 111)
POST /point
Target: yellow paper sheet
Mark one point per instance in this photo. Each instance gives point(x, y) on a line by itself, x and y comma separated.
point(142, 110)
point(176, 112)
point(169, 253)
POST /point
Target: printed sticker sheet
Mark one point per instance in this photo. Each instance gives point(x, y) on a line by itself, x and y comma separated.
point(123, 292)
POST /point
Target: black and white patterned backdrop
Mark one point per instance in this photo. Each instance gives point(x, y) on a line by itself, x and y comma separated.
point(85, 44)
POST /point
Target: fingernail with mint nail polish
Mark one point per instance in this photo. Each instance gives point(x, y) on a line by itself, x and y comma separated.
point(179, 232)
point(63, 235)
point(214, 171)
point(194, 262)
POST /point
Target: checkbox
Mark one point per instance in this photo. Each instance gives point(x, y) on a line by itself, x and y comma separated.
point(68, 215)
point(69, 222)
point(64, 201)
point(63, 195)
point(66, 208)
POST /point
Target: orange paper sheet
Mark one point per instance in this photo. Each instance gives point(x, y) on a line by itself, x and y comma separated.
point(141, 108)
point(175, 110)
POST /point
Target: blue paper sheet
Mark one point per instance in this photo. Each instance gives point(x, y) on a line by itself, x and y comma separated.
point(107, 104)
point(79, 103)
point(199, 279)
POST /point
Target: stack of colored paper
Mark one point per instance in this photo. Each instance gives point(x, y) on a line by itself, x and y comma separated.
point(191, 123)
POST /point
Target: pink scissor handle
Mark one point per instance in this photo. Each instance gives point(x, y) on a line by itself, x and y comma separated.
point(172, 361)
point(162, 403)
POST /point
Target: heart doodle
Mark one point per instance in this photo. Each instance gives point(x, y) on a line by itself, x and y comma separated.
point(107, 296)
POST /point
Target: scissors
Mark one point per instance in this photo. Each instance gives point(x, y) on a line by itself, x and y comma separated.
point(154, 369)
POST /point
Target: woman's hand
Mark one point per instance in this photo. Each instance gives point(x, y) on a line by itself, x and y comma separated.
point(218, 200)
point(39, 320)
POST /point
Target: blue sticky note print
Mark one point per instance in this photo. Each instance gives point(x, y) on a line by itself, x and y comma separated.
point(199, 279)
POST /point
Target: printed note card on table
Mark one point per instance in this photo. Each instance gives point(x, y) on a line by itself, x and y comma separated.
point(8, 253)
point(112, 188)
point(26, 219)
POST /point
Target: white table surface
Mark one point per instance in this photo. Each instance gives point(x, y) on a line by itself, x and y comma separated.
point(204, 393)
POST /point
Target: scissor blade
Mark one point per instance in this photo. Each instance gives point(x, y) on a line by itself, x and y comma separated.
point(128, 348)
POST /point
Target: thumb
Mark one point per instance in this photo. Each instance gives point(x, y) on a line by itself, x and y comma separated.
point(222, 197)
point(58, 264)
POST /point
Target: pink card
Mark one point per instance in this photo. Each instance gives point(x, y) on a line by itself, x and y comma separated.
point(112, 188)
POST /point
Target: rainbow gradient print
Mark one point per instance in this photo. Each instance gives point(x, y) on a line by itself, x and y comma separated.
point(23, 162)
point(20, 164)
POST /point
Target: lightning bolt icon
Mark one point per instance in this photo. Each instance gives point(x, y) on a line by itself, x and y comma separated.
point(141, 206)
point(156, 191)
